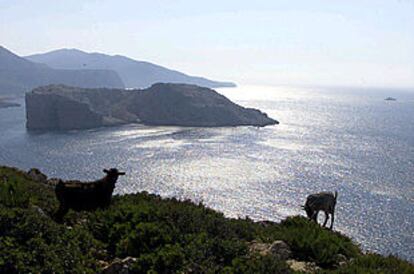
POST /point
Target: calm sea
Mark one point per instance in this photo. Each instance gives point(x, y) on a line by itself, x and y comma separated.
point(352, 141)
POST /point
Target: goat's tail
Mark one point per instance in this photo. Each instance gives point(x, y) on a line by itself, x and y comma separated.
point(336, 195)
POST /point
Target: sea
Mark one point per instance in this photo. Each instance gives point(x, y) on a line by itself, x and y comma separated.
point(348, 140)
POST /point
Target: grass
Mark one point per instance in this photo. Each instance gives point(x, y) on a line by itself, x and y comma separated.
point(165, 235)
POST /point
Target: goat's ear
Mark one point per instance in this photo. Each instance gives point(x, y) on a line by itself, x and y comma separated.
point(106, 171)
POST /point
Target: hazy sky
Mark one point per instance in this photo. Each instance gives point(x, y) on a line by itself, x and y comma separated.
point(309, 42)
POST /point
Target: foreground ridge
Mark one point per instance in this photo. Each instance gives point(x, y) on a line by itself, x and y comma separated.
point(143, 232)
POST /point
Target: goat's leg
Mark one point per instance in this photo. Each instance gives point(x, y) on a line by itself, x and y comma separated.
point(332, 220)
point(61, 213)
point(315, 216)
point(326, 219)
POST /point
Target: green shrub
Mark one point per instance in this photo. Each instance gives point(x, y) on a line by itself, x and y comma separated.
point(310, 242)
point(12, 193)
point(374, 263)
point(168, 259)
point(144, 238)
point(259, 264)
point(34, 243)
point(25, 192)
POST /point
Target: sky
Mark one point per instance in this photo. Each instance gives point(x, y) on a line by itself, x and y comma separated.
point(275, 42)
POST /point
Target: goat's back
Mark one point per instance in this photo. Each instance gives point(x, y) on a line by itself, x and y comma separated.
point(321, 200)
point(83, 196)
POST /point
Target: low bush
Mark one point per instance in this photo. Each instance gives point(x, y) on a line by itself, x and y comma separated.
point(310, 242)
point(373, 264)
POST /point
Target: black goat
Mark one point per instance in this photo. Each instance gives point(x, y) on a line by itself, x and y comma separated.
point(324, 201)
point(79, 196)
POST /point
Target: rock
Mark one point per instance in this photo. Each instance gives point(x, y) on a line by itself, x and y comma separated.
point(59, 107)
point(120, 266)
point(40, 211)
point(341, 260)
point(305, 267)
point(260, 248)
point(36, 175)
point(102, 264)
point(278, 249)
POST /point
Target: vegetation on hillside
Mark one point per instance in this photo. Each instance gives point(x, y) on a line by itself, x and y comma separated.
point(164, 235)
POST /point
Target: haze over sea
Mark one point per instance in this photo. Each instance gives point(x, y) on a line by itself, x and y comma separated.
point(349, 140)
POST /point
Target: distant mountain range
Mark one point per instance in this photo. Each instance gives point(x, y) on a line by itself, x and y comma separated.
point(134, 74)
point(87, 70)
point(18, 75)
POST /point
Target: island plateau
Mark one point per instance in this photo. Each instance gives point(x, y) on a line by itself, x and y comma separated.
point(60, 107)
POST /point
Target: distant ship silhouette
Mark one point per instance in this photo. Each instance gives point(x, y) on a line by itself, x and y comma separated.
point(390, 99)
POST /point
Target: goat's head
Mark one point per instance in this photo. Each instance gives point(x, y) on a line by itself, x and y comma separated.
point(308, 210)
point(113, 174)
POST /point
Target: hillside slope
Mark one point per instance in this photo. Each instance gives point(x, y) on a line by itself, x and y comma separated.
point(144, 232)
point(18, 75)
point(135, 74)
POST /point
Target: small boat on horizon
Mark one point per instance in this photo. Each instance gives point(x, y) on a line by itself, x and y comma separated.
point(390, 99)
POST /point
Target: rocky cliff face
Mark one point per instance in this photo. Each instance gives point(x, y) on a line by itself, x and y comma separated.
point(62, 108)
point(50, 111)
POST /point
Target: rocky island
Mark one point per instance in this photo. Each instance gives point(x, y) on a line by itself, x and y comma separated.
point(60, 107)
